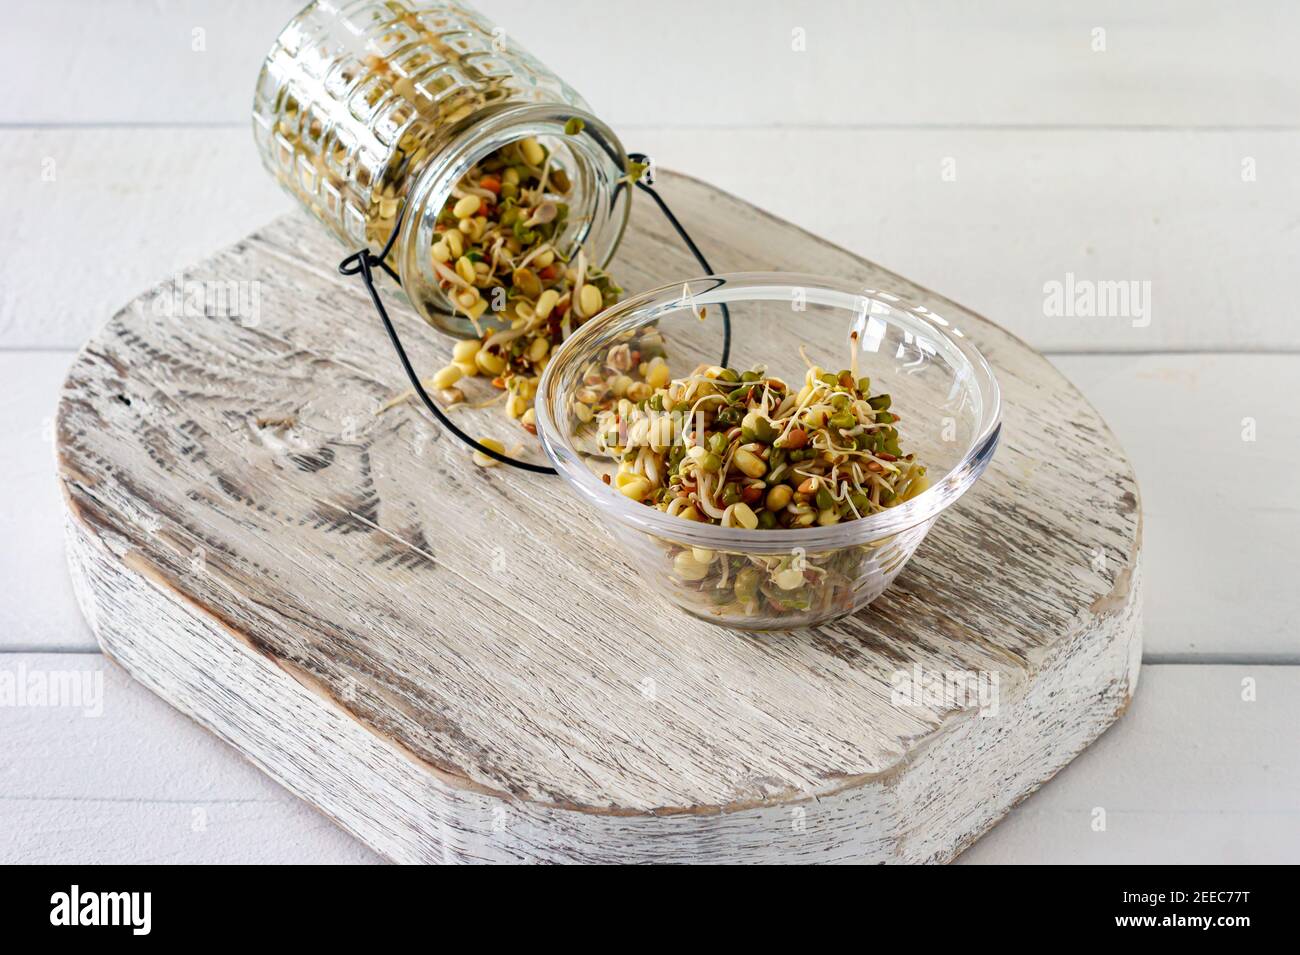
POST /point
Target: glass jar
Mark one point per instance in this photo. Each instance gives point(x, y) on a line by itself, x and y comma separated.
point(365, 107)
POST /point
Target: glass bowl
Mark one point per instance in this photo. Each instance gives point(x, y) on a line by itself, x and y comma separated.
point(942, 389)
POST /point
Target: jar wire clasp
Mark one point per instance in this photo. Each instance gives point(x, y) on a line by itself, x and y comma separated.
point(364, 262)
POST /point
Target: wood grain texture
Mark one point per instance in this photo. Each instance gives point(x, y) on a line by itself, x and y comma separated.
point(453, 663)
point(1195, 586)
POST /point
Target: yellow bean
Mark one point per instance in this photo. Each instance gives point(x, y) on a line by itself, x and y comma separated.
point(467, 368)
point(455, 244)
point(491, 364)
point(582, 411)
point(744, 516)
point(545, 302)
point(441, 253)
point(466, 207)
point(465, 269)
point(788, 579)
point(538, 349)
point(750, 463)
point(657, 375)
point(533, 152)
point(481, 459)
point(544, 258)
point(687, 567)
point(637, 488)
point(779, 497)
point(590, 301)
point(446, 377)
point(516, 405)
point(466, 350)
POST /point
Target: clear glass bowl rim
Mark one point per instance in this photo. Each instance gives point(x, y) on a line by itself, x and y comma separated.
point(723, 288)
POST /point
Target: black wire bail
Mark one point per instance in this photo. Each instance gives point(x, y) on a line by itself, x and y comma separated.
point(364, 262)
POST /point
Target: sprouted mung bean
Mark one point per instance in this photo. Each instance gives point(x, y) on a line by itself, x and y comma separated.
point(746, 450)
point(497, 250)
point(756, 453)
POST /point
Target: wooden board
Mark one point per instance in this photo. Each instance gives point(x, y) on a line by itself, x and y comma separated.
point(455, 665)
point(1192, 585)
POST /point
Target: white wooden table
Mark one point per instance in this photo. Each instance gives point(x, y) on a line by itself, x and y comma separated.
point(981, 153)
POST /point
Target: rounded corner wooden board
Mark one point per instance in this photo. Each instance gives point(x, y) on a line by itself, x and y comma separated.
point(455, 664)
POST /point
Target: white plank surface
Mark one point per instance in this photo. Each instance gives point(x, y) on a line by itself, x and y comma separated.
point(129, 207)
point(126, 209)
point(1192, 773)
point(38, 611)
point(1222, 541)
point(140, 783)
point(1012, 62)
point(1028, 207)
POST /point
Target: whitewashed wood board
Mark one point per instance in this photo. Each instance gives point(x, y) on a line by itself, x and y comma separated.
point(463, 662)
point(129, 207)
point(1196, 583)
point(1192, 774)
point(1011, 62)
